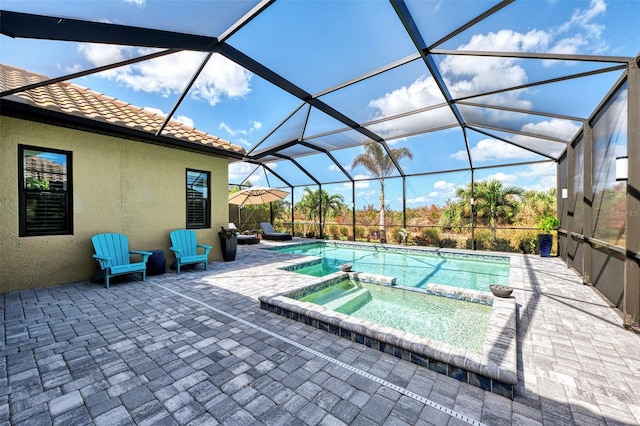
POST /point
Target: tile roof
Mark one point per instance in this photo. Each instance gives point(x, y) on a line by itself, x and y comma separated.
point(76, 100)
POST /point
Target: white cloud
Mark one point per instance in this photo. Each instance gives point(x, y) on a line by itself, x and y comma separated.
point(590, 37)
point(239, 171)
point(273, 165)
point(442, 192)
point(420, 93)
point(167, 75)
point(582, 17)
point(420, 200)
point(153, 110)
point(538, 177)
point(226, 128)
point(103, 54)
point(360, 183)
point(492, 149)
point(568, 46)
point(468, 76)
point(243, 141)
point(187, 121)
point(70, 69)
point(443, 184)
point(556, 128)
point(502, 177)
point(464, 76)
point(139, 3)
point(254, 125)
point(362, 195)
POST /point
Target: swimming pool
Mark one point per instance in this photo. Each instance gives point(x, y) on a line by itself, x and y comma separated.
point(444, 319)
point(410, 267)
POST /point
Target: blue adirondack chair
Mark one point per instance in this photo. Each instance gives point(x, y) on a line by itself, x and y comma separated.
point(185, 247)
point(114, 256)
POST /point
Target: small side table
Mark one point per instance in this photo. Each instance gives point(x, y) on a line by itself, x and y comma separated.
point(157, 263)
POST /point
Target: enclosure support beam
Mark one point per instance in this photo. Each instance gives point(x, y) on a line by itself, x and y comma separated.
point(587, 201)
point(570, 203)
point(631, 295)
point(473, 184)
point(404, 202)
point(293, 217)
point(321, 230)
point(353, 209)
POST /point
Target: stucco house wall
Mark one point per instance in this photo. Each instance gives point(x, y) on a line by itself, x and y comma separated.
point(119, 185)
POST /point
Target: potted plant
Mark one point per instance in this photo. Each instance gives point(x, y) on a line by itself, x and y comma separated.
point(547, 224)
point(228, 243)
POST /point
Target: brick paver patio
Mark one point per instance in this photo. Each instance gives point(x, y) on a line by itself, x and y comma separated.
point(196, 349)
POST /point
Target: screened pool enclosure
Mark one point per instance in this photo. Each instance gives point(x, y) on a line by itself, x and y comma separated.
point(396, 109)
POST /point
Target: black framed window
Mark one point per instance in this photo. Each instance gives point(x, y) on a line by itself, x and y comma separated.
point(44, 191)
point(198, 199)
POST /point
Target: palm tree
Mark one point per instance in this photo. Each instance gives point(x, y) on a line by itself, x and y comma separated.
point(541, 203)
point(496, 203)
point(312, 201)
point(456, 213)
point(376, 160)
point(493, 203)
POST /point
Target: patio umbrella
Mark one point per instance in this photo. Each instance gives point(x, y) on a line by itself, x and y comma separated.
point(255, 195)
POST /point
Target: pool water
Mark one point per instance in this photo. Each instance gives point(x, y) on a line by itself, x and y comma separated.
point(447, 320)
point(409, 269)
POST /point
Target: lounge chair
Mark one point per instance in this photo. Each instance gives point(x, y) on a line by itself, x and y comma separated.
point(268, 233)
point(113, 255)
point(245, 239)
point(184, 246)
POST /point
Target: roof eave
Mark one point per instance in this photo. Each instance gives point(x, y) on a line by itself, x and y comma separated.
point(25, 111)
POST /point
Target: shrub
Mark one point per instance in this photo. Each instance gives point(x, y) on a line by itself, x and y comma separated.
point(359, 231)
point(344, 231)
point(482, 240)
point(502, 244)
point(431, 236)
point(528, 245)
point(479, 244)
point(448, 243)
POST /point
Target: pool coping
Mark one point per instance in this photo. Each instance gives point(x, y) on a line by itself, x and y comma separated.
point(494, 256)
point(495, 369)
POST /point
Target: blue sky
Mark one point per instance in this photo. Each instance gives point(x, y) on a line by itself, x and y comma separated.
point(317, 45)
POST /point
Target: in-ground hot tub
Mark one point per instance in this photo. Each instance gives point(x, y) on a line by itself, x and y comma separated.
point(492, 367)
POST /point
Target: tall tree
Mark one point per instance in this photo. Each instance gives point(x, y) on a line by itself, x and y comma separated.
point(311, 202)
point(537, 204)
point(496, 203)
point(376, 160)
point(493, 204)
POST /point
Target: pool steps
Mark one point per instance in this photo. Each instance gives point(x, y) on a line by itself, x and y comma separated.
point(350, 302)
